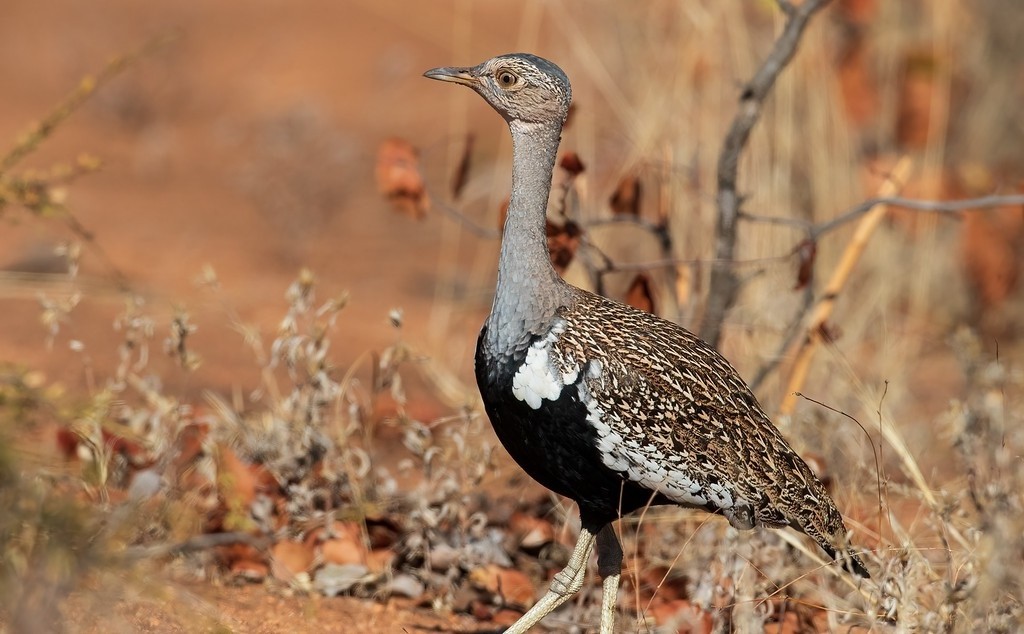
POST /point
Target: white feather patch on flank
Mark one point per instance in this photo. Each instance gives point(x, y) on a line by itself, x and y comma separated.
point(608, 441)
point(645, 464)
point(539, 377)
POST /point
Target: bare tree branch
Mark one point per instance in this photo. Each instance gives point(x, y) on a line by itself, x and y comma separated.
point(797, 223)
point(468, 223)
point(608, 265)
point(786, 7)
point(724, 285)
point(817, 331)
point(934, 206)
point(815, 231)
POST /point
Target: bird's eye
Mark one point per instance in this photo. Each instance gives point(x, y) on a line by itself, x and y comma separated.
point(506, 79)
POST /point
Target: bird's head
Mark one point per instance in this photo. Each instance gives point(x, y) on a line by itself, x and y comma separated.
point(520, 86)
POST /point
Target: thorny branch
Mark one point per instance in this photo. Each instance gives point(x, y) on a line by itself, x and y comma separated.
point(724, 285)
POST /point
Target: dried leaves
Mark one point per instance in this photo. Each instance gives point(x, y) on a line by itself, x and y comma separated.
point(918, 86)
point(564, 235)
point(806, 253)
point(512, 587)
point(563, 242)
point(625, 201)
point(289, 559)
point(682, 617)
point(570, 162)
point(461, 176)
point(992, 247)
point(399, 178)
point(345, 544)
point(640, 294)
point(530, 533)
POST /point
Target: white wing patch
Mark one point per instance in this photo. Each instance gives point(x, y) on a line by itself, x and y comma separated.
point(540, 377)
point(646, 465)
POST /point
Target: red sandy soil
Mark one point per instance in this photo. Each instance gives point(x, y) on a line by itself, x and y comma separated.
point(208, 608)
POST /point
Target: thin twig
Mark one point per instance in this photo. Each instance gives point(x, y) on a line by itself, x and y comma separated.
point(823, 309)
point(816, 231)
point(610, 266)
point(468, 223)
point(121, 279)
point(876, 453)
point(724, 285)
point(195, 544)
point(40, 131)
point(914, 204)
point(73, 101)
point(799, 223)
point(934, 206)
point(658, 230)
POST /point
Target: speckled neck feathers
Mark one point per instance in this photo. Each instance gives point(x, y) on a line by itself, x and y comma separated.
point(529, 291)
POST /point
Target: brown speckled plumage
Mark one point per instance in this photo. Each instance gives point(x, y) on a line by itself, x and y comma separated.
point(607, 405)
point(671, 392)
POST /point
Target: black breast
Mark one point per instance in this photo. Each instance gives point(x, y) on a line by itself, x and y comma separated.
point(555, 444)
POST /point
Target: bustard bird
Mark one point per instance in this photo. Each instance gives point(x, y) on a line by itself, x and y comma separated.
point(607, 405)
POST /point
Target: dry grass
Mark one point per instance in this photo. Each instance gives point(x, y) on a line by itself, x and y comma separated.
point(928, 473)
point(659, 100)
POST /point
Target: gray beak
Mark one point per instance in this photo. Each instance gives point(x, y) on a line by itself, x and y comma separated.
point(462, 76)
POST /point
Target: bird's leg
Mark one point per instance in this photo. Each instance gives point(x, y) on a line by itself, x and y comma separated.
point(609, 565)
point(565, 584)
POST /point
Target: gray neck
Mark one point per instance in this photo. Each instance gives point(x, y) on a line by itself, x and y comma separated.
point(529, 290)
